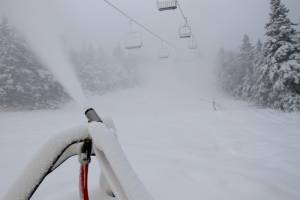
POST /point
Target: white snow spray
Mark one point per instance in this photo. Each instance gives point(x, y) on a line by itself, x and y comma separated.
point(36, 19)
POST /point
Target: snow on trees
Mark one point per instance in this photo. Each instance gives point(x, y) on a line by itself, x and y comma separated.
point(268, 75)
point(258, 61)
point(98, 72)
point(280, 74)
point(225, 75)
point(90, 66)
point(24, 82)
point(245, 68)
point(237, 69)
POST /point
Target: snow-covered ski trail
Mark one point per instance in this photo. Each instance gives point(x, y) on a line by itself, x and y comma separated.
point(178, 145)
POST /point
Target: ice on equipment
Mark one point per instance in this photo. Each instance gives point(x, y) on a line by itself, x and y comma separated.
point(98, 138)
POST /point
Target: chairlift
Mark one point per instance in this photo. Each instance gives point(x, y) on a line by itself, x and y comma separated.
point(193, 44)
point(185, 31)
point(133, 41)
point(163, 52)
point(163, 5)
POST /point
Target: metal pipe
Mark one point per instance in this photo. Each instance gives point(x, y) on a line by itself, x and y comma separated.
point(92, 116)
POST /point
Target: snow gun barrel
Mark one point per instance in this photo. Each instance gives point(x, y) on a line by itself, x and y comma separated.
point(92, 116)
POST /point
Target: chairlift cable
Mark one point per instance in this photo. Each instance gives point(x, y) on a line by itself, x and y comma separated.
point(139, 24)
point(184, 16)
point(186, 21)
point(182, 13)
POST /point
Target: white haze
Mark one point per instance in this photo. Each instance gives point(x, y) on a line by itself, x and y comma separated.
point(179, 146)
point(215, 24)
point(36, 19)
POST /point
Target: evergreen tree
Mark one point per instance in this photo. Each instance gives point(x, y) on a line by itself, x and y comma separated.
point(279, 83)
point(258, 57)
point(258, 61)
point(24, 83)
point(97, 72)
point(227, 67)
point(244, 69)
point(90, 66)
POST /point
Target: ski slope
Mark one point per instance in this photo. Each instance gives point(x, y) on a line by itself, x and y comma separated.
point(179, 146)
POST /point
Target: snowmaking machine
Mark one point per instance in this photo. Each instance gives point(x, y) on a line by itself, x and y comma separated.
point(97, 138)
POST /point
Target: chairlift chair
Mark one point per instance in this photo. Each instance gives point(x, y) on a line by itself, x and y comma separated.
point(163, 52)
point(133, 40)
point(193, 44)
point(163, 5)
point(185, 31)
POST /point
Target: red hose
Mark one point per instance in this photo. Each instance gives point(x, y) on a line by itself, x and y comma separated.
point(83, 185)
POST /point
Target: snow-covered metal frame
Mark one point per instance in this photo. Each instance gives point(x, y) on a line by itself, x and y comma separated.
point(117, 176)
point(163, 5)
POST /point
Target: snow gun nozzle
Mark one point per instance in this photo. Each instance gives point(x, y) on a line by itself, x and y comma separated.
point(92, 116)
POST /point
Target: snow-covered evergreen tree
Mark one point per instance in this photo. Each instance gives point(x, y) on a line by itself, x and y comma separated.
point(226, 69)
point(258, 60)
point(128, 65)
point(89, 63)
point(245, 63)
point(98, 73)
point(268, 74)
point(24, 83)
point(279, 81)
point(236, 69)
point(258, 53)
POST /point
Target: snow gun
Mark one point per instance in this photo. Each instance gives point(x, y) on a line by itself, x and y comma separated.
point(92, 116)
point(97, 138)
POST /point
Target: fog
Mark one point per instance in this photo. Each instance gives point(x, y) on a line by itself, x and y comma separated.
point(186, 133)
point(215, 24)
point(37, 21)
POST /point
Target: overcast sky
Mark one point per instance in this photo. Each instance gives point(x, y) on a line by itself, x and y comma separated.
point(216, 23)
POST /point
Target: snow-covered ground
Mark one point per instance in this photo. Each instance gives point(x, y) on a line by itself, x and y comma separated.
point(178, 145)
